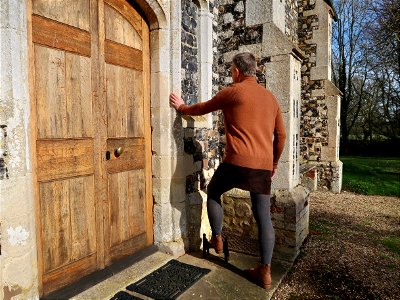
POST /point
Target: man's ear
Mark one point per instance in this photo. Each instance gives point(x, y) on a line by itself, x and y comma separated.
point(237, 72)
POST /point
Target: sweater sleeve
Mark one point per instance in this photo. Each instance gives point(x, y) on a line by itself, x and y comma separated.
point(219, 101)
point(279, 137)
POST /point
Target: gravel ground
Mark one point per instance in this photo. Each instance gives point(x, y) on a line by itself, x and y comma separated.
point(345, 256)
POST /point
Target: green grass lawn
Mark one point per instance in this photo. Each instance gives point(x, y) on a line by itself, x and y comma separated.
point(371, 175)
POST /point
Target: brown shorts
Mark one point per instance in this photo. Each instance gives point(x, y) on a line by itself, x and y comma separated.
point(230, 176)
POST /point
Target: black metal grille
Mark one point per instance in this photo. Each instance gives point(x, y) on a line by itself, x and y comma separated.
point(241, 244)
point(169, 281)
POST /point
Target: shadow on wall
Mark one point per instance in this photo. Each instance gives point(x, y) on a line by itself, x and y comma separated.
point(187, 205)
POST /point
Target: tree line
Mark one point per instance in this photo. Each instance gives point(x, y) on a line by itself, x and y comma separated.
point(366, 69)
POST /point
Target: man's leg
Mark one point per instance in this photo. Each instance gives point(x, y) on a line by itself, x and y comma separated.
point(219, 184)
point(266, 238)
point(215, 214)
point(266, 232)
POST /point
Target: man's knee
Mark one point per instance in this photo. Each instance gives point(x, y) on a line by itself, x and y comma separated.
point(213, 193)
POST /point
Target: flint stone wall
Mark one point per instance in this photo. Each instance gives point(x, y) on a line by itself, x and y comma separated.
point(189, 54)
point(319, 129)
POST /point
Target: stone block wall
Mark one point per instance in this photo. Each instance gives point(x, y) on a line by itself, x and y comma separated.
point(18, 262)
point(289, 213)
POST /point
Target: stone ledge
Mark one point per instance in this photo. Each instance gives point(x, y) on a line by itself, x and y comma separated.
point(289, 213)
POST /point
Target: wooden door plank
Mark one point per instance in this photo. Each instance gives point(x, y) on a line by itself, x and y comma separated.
point(147, 126)
point(136, 205)
point(122, 55)
point(78, 96)
point(68, 274)
point(83, 229)
point(123, 205)
point(114, 217)
point(60, 36)
point(128, 247)
point(126, 192)
point(50, 92)
point(133, 156)
point(119, 30)
point(33, 135)
point(74, 13)
point(134, 100)
point(64, 158)
point(100, 125)
point(54, 197)
point(128, 12)
point(116, 101)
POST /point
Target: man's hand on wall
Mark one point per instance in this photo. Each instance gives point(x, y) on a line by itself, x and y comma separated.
point(175, 101)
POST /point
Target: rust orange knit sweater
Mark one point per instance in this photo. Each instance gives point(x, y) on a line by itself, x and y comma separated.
point(255, 134)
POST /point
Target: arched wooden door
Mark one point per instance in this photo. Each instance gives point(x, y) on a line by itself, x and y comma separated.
point(91, 124)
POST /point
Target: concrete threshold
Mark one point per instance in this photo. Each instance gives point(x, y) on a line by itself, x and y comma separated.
point(225, 281)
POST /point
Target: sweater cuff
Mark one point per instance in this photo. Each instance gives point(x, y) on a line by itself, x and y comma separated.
point(180, 108)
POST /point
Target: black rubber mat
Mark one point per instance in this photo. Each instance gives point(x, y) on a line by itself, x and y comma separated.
point(169, 281)
point(124, 296)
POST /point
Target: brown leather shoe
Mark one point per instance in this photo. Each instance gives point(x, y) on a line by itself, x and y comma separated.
point(260, 275)
point(217, 243)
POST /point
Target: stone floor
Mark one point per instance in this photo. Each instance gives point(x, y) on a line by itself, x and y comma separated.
point(225, 281)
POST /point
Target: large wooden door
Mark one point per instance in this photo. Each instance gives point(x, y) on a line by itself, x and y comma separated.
point(91, 124)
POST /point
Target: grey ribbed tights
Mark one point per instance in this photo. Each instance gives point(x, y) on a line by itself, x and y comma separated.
point(261, 212)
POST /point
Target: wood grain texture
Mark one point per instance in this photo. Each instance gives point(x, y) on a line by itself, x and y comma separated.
point(60, 36)
point(134, 103)
point(74, 13)
point(128, 247)
point(124, 102)
point(100, 125)
point(54, 199)
point(126, 193)
point(83, 222)
point(147, 131)
point(78, 90)
point(63, 94)
point(116, 101)
point(50, 92)
point(132, 158)
point(64, 158)
point(33, 136)
point(118, 29)
point(68, 274)
point(128, 12)
point(67, 221)
point(91, 93)
point(124, 56)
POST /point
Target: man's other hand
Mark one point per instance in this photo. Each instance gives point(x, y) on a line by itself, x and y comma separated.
point(273, 172)
point(175, 101)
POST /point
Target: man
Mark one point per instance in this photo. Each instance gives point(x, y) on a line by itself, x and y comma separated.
point(255, 137)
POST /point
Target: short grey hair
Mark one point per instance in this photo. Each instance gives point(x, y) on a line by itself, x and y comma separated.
point(246, 63)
